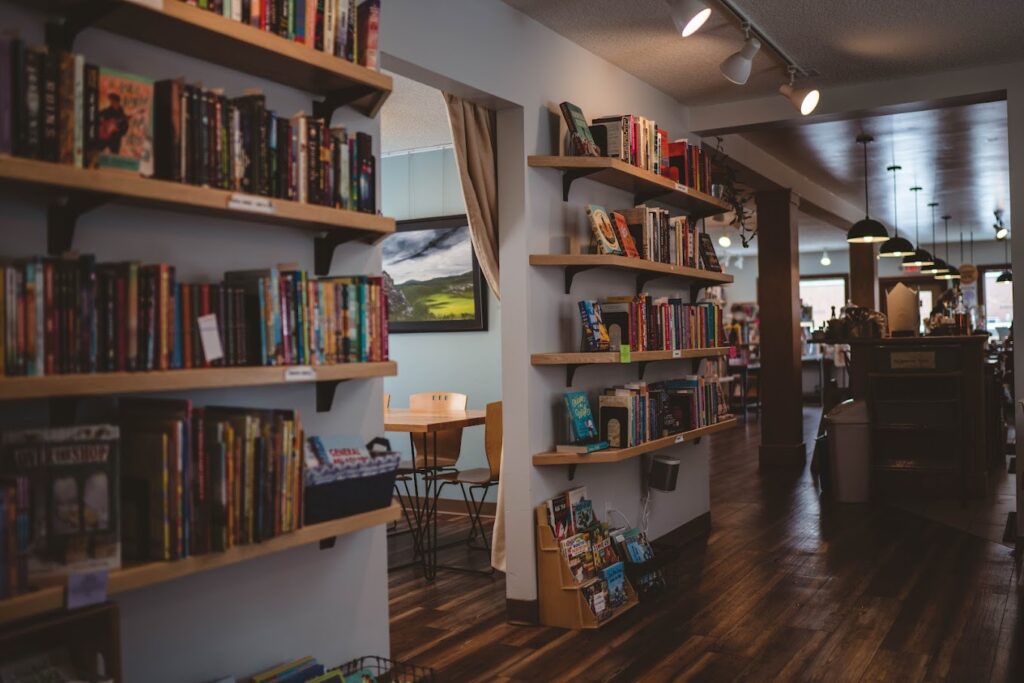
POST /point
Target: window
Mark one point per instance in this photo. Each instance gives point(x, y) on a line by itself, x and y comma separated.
point(821, 294)
point(998, 303)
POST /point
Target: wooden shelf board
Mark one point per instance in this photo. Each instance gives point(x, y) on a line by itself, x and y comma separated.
point(620, 454)
point(612, 357)
point(188, 30)
point(175, 380)
point(132, 188)
point(633, 265)
point(138, 576)
point(617, 173)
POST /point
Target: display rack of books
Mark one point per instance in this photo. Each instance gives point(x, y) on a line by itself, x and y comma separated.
point(581, 578)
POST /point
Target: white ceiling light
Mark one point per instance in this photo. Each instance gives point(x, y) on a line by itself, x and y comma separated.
point(805, 100)
point(724, 241)
point(688, 15)
point(825, 260)
point(736, 66)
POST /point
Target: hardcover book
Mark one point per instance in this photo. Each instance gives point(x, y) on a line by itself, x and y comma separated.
point(708, 257)
point(578, 556)
point(560, 516)
point(604, 231)
point(625, 237)
point(596, 594)
point(125, 122)
point(574, 496)
point(604, 551)
point(583, 142)
point(615, 577)
point(583, 514)
point(580, 416)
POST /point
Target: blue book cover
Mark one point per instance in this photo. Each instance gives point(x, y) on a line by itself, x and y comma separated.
point(615, 576)
point(581, 417)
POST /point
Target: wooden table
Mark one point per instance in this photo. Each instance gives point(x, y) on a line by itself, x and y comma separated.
point(424, 519)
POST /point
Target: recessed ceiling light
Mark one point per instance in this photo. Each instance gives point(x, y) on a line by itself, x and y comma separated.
point(724, 241)
point(688, 15)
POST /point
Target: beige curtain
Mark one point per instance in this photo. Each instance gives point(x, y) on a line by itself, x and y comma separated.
point(498, 536)
point(473, 137)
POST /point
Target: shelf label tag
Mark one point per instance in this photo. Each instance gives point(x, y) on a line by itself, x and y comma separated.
point(250, 203)
point(624, 354)
point(677, 353)
point(209, 336)
point(152, 4)
point(300, 373)
point(681, 187)
point(680, 438)
point(86, 588)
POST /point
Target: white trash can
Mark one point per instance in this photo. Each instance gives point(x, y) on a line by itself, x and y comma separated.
point(849, 452)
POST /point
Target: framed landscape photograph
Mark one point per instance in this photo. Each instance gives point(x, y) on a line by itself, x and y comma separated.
point(432, 277)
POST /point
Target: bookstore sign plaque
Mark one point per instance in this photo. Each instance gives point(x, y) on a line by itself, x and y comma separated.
point(912, 360)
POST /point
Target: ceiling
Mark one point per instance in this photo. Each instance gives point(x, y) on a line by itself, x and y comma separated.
point(413, 117)
point(843, 42)
point(957, 155)
point(814, 235)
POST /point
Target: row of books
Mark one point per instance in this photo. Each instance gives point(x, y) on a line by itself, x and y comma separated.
point(649, 233)
point(15, 526)
point(639, 141)
point(74, 315)
point(342, 28)
point(646, 323)
point(56, 107)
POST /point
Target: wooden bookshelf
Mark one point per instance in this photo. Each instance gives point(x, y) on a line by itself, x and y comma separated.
point(644, 270)
point(620, 454)
point(645, 185)
point(101, 383)
point(194, 32)
point(572, 361)
point(133, 577)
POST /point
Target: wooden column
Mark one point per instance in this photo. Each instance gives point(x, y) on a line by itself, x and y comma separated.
point(778, 300)
point(864, 276)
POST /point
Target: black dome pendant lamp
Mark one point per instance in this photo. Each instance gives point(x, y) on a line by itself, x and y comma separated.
point(952, 272)
point(868, 230)
point(920, 258)
point(1006, 275)
point(895, 246)
point(938, 266)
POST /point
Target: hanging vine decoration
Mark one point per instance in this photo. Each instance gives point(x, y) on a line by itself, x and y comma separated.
point(732, 196)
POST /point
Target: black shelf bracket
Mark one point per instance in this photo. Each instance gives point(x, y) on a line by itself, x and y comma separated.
point(325, 108)
point(643, 278)
point(62, 216)
point(572, 472)
point(641, 368)
point(327, 543)
point(325, 394)
point(695, 292)
point(570, 274)
point(697, 440)
point(323, 251)
point(570, 372)
point(644, 197)
point(61, 35)
point(571, 176)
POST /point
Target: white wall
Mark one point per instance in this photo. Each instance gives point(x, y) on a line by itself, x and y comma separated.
point(496, 50)
point(235, 620)
point(423, 185)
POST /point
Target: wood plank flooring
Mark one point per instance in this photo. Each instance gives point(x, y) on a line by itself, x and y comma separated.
point(786, 587)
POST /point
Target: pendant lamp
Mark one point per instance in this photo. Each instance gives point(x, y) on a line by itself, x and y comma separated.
point(952, 272)
point(920, 258)
point(895, 246)
point(868, 230)
point(1006, 275)
point(939, 266)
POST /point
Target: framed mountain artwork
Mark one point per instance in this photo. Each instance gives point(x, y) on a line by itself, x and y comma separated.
point(432, 277)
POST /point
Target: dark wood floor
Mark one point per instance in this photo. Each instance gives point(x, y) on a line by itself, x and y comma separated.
point(786, 587)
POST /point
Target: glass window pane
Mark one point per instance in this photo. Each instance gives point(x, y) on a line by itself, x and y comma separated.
point(998, 304)
point(821, 295)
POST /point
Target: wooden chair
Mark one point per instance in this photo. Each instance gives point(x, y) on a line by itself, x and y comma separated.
point(481, 478)
point(449, 441)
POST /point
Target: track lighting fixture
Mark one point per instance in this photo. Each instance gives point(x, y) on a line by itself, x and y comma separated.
point(1001, 230)
point(895, 246)
point(688, 15)
point(724, 241)
point(920, 258)
point(868, 230)
point(804, 99)
point(938, 266)
point(825, 260)
point(1006, 275)
point(736, 66)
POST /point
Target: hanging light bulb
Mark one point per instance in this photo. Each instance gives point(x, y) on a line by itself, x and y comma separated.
point(939, 266)
point(688, 15)
point(805, 100)
point(825, 260)
point(895, 246)
point(952, 272)
point(724, 241)
point(867, 230)
point(736, 67)
point(920, 258)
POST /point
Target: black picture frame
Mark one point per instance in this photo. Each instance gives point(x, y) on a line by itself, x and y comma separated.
point(479, 321)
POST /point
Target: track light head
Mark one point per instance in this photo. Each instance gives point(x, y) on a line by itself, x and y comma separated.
point(736, 67)
point(804, 100)
point(688, 15)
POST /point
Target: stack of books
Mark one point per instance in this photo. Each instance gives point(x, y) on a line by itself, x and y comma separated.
point(646, 323)
point(59, 108)
point(649, 233)
point(341, 28)
point(74, 315)
point(589, 553)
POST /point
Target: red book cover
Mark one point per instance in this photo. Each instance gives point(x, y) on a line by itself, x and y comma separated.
point(120, 312)
point(50, 321)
